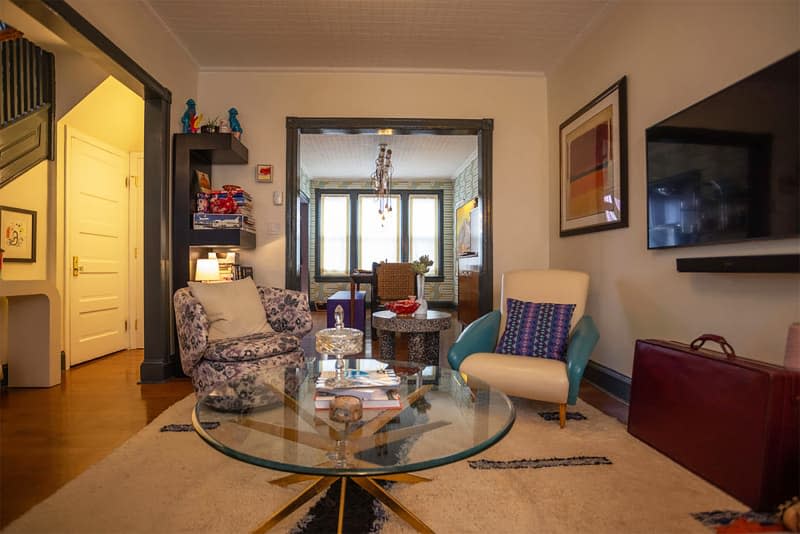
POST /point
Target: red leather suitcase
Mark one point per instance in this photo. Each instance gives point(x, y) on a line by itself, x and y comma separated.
point(735, 422)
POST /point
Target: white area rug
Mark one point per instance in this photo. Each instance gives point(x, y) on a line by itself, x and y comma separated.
point(165, 482)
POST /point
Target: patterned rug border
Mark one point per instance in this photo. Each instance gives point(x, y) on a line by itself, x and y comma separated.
point(571, 416)
point(731, 521)
point(539, 463)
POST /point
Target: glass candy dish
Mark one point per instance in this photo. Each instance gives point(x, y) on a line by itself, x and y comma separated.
point(340, 342)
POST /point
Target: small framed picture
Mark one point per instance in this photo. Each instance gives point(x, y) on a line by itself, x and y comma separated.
point(264, 174)
point(203, 182)
point(18, 234)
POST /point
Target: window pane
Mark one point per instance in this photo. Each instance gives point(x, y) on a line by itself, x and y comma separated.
point(423, 221)
point(378, 235)
point(334, 238)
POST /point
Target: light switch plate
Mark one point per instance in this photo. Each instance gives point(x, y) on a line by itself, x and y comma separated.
point(277, 198)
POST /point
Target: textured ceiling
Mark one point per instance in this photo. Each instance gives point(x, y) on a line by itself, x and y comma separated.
point(413, 156)
point(496, 35)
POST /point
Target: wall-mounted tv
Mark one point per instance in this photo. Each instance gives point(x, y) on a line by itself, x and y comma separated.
point(726, 168)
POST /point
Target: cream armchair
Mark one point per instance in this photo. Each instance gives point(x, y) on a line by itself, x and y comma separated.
point(543, 379)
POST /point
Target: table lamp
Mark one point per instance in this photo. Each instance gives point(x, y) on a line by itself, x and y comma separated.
point(339, 341)
point(206, 270)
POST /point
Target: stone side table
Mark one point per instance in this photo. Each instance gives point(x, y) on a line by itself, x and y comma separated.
point(423, 334)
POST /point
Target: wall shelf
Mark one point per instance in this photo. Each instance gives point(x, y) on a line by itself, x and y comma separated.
point(770, 263)
point(222, 238)
point(192, 153)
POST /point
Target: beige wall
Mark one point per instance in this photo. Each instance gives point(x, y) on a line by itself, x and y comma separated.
point(674, 54)
point(29, 192)
point(133, 26)
point(516, 103)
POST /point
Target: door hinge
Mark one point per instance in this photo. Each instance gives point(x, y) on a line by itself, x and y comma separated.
point(135, 252)
point(127, 181)
point(126, 325)
point(136, 324)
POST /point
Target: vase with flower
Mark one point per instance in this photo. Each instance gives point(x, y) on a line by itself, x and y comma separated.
point(421, 266)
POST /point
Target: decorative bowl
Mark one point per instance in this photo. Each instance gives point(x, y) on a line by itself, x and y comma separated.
point(403, 307)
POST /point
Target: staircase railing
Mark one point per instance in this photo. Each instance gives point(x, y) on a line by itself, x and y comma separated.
point(27, 81)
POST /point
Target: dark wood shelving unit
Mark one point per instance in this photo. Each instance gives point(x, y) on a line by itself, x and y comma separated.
point(199, 152)
point(222, 238)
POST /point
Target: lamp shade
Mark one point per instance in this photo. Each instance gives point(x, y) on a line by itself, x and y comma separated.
point(206, 270)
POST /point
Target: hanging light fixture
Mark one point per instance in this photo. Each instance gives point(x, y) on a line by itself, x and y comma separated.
point(382, 179)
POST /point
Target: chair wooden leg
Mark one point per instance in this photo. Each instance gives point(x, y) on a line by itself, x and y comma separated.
point(562, 414)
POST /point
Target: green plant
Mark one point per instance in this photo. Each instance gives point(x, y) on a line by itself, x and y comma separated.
point(422, 265)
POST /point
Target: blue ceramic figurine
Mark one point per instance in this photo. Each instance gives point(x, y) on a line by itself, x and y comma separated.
point(187, 120)
point(234, 122)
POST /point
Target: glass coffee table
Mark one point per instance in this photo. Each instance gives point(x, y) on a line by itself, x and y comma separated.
point(269, 419)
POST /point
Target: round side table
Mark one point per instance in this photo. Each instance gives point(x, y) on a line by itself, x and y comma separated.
point(423, 334)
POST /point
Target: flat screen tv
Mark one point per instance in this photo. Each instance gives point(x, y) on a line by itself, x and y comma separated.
point(726, 168)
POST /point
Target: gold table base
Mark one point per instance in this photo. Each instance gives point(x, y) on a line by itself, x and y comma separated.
point(320, 484)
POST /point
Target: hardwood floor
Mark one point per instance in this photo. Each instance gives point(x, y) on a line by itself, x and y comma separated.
point(49, 436)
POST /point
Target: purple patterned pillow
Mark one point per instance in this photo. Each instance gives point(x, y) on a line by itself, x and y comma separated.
point(536, 329)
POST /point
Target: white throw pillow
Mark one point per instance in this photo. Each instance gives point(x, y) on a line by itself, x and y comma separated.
point(234, 309)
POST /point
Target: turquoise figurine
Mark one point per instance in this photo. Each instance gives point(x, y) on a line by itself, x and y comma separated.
point(188, 118)
point(234, 122)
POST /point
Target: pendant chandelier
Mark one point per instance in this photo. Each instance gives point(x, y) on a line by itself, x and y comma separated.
point(382, 179)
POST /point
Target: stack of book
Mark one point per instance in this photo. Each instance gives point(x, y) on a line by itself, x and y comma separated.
point(376, 389)
point(213, 210)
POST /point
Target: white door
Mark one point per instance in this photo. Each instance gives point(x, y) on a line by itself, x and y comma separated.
point(135, 251)
point(97, 247)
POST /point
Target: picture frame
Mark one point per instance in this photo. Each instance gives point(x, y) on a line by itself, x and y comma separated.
point(264, 174)
point(464, 238)
point(593, 165)
point(203, 182)
point(18, 234)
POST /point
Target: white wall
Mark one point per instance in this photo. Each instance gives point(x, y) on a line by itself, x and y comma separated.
point(516, 103)
point(29, 191)
point(674, 54)
point(134, 27)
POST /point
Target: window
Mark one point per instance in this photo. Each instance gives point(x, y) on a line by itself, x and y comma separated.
point(334, 235)
point(424, 229)
point(352, 234)
point(378, 234)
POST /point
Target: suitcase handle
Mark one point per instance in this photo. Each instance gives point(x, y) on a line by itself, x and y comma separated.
point(726, 347)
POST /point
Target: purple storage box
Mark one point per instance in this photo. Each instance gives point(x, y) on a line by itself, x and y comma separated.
point(343, 298)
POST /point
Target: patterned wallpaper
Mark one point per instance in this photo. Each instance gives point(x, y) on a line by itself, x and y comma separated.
point(434, 291)
point(465, 188)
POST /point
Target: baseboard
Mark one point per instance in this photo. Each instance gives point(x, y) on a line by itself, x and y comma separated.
point(608, 380)
point(157, 372)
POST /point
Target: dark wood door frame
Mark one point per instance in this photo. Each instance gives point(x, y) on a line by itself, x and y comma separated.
point(303, 222)
point(482, 128)
point(160, 361)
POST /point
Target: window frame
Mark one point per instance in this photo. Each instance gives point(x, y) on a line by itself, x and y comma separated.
point(405, 240)
point(348, 237)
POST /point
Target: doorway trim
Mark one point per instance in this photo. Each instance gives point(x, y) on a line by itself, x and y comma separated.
point(482, 128)
point(160, 361)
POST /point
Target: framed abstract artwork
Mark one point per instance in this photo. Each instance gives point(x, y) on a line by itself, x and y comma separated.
point(18, 239)
point(594, 165)
point(264, 174)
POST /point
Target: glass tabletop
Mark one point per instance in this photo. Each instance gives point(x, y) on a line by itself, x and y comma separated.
point(271, 419)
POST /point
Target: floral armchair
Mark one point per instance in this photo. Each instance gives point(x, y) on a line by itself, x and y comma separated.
point(209, 362)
